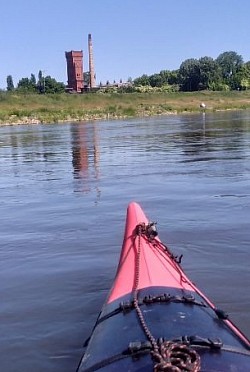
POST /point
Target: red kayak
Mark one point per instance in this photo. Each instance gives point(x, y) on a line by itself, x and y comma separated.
point(155, 319)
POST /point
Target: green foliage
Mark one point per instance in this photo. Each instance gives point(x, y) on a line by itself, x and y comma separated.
point(241, 79)
point(33, 80)
point(52, 86)
point(167, 88)
point(171, 77)
point(245, 83)
point(86, 78)
point(21, 113)
point(163, 89)
point(40, 82)
point(209, 72)
point(129, 111)
point(44, 84)
point(219, 86)
point(227, 72)
point(189, 75)
point(3, 97)
point(143, 80)
point(230, 63)
point(27, 85)
point(165, 77)
point(126, 89)
point(10, 84)
point(47, 108)
point(156, 80)
point(3, 117)
point(112, 109)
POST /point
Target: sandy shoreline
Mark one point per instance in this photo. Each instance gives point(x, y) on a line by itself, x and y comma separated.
point(35, 121)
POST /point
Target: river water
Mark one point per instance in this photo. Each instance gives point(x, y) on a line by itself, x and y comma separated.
point(64, 190)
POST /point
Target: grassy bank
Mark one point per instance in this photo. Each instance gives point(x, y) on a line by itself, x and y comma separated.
point(33, 108)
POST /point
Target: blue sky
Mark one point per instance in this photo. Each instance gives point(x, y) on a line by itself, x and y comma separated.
point(130, 37)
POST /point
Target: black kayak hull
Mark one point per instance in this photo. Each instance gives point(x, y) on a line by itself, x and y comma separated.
point(182, 316)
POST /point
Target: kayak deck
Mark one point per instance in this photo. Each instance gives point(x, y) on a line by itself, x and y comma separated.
point(156, 268)
point(153, 303)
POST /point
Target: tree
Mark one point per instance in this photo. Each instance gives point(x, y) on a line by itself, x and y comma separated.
point(33, 80)
point(40, 83)
point(156, 80)
point(241, 80)
point(247, 65)
point(169, 77)
point(209, 72)
point(189, 75)
point(25, 84)
point(143, 80)
point(86, 78)
point(230, 63)
point(53, 86)
point(10, 84)
point(40, 75)
point(28, 85)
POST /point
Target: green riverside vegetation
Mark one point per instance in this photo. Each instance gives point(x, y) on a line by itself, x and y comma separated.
point(221, 84)
point(47, 108)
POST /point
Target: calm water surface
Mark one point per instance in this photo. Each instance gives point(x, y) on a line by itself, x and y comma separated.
point(64, 190)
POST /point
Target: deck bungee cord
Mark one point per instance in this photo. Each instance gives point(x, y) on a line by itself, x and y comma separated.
point(168, 356)
point(156, 319)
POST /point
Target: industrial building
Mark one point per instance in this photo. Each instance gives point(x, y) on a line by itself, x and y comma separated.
point(78, 80)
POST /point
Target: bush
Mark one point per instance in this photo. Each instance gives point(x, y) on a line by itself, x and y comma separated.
point(219, 87)
point(129, 111)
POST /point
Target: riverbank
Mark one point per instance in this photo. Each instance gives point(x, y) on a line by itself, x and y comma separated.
point(55, 108)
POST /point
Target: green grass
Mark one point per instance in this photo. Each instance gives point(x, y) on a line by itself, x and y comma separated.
point(61, 107)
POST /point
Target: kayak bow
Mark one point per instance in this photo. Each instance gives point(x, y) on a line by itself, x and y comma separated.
point(155, 318)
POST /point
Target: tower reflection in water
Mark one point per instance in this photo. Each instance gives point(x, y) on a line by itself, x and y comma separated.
point(85, 158)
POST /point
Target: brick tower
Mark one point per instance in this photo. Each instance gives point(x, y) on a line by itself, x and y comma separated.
point(75, 70)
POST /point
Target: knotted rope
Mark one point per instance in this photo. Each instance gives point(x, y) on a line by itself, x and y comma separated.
point(169, 356)
point(174, 357)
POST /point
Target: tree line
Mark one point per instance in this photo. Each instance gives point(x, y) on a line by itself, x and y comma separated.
point(227, 72)
point(42, 84)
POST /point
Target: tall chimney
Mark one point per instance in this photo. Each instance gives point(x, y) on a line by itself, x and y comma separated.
point(92, 82)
